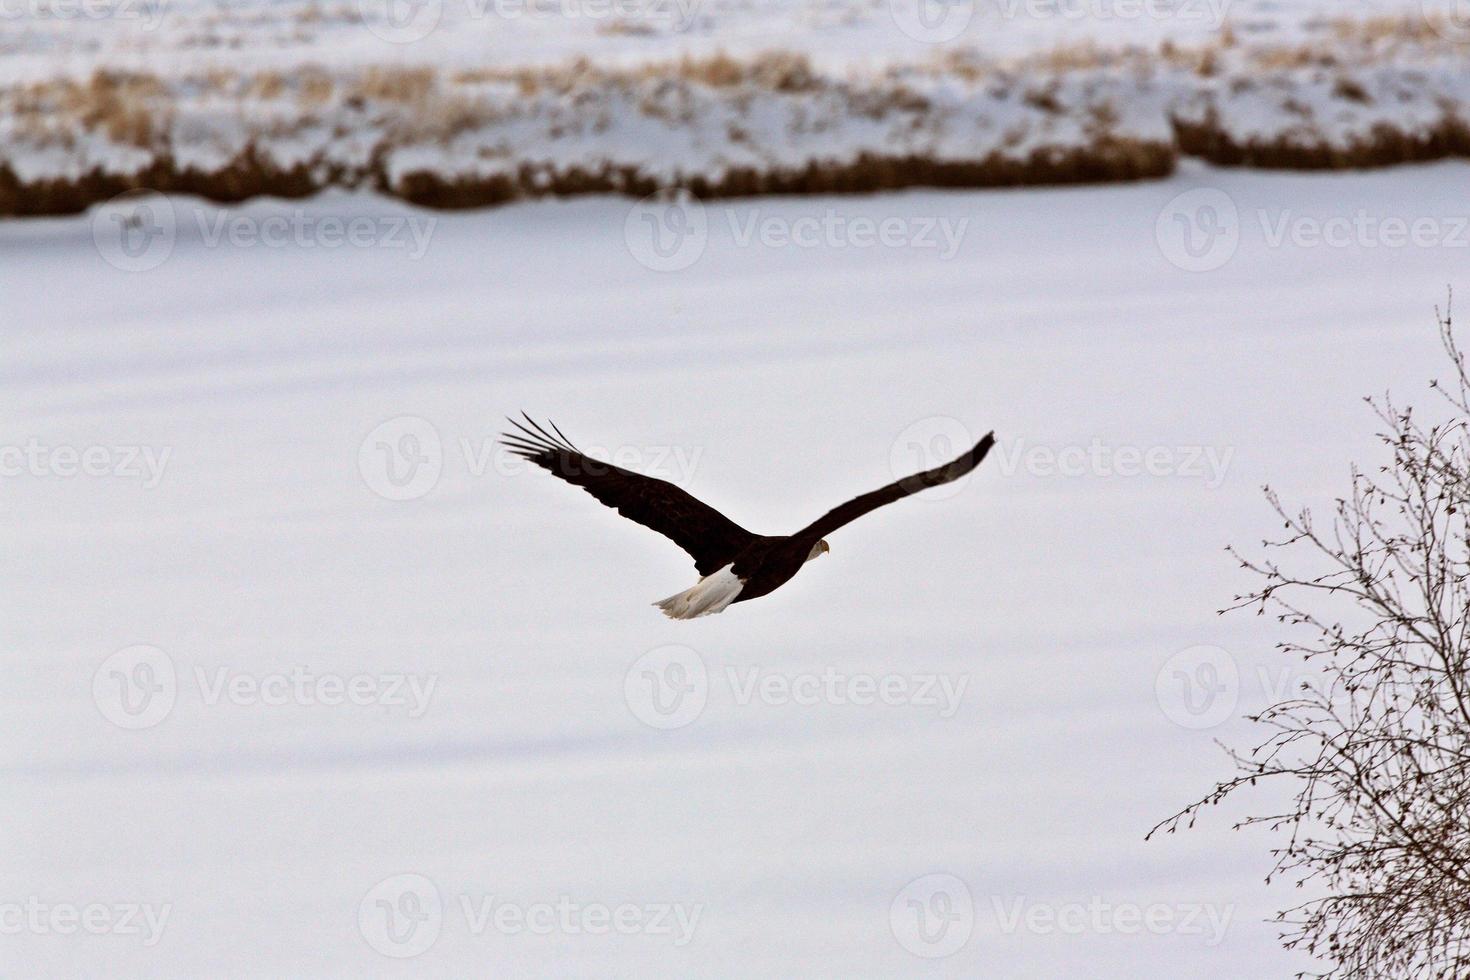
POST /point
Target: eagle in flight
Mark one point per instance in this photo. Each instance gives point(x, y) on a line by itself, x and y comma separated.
point(734, 564)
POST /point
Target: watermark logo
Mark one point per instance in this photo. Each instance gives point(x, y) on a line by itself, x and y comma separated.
point(1450, 21)
point(39, 918)
point(401, 916)
point(838, 688)
point(408, 21)
point(565, 915)
point(931, 442)
point(135, 231)
point(667, 687)
point(1098, 916)
point(933, 916)
point(833, 229)
point(1363, 229)
point(932, 21)
point(1204, 686)
point(1207, 464)
point(402, 458)
point(1199, 230)
point(1210, 12)
point(1198, 687)
point(675, 464)
point(303, 229)
point(136, 687)
point(150, 12)
point(304, 687)
point(400, 21)
point(666, 233)
point(124, 462)
point(405, 457)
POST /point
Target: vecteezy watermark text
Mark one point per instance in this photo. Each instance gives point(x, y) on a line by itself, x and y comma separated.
point(831, 686)
point(150, 12)
point(669, 686)
point(409, 21)
point(124, 462)
point(667, 233)
point(1100, 459)
point(302, 686)
point(1098, 916)
point(569, 917)
point(40, 918)
point(403, 458)
point(934, 915)
point(1202, 686)
point(1201, 230)
point(1194, 11)
point(403, 915)
point(408, 233)
point(138, 686)
point(137, 231)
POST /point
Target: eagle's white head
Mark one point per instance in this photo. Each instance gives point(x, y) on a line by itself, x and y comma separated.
point(820, 548)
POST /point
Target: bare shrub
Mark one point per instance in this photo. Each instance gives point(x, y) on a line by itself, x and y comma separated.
point(1376, 747)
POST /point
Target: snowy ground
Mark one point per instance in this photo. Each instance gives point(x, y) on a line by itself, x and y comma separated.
point(43, 38)
point(237, 401)
point(453, 103)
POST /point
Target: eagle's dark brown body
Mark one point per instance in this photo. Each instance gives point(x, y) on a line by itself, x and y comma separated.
point(734, 564)
point(770, 562)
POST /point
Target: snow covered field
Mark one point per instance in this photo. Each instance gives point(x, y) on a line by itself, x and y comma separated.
point(41, 38)
point(304, 679)
point(451, 105)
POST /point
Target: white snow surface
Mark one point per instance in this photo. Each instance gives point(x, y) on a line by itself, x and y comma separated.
point(300, 83)
point(789, 379)
point(45, 38)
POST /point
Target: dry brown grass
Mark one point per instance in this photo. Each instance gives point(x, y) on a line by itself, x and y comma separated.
point(717, 71)
point(773, 71)
point(1113, 160)
point(1291, 58)
point(1414, 28)
point(127, 107)
point(220, 80)
point(315, 86)
point(965, 64)
point(481, 76)
point(412, 106)
point(625, 28)
point(1299, 150)
point(444, 119)
point(405, 86)
point(783, 71)
point(266, 85)
point(1102, 118)
point(1081, 56)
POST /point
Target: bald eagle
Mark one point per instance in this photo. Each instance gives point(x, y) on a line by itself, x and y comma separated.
point(734, 564)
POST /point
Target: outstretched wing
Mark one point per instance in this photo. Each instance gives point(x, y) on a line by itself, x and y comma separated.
point(858, 506)
point(709, 536)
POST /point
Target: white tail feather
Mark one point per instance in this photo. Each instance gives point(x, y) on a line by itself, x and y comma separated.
point(710, 595)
